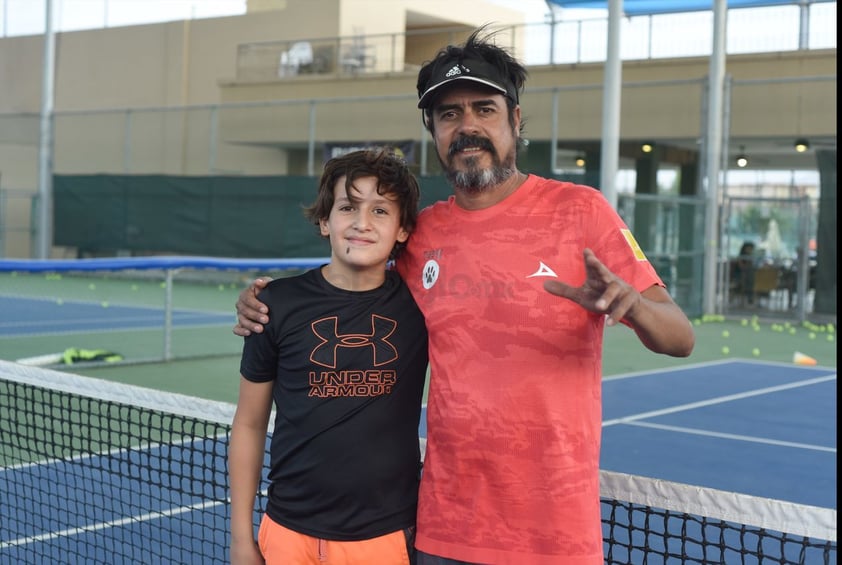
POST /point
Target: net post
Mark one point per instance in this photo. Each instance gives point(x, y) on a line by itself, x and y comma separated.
point(168, 314)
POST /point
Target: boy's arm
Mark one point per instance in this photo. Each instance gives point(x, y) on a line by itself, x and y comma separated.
point(251, 312)
point(245, 463)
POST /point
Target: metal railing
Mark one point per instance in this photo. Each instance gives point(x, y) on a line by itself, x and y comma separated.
point(750, 30)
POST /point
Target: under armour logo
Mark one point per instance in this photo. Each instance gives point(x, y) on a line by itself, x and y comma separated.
point(326, 330)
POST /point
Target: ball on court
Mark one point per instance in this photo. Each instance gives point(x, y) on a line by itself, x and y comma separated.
point(726, 350)
point(134, 287)
point(830, 338)
point(104, 304)
point(811, 335)
point(755, 352)
point(221, 287)
point(744, 322)
point(726, 333)
point(92, 286)
point(59, 301)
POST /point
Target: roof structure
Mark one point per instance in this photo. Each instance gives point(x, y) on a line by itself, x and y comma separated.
point(611, 99)
point(649, 7)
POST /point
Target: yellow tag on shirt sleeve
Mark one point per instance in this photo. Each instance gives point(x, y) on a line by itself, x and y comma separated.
point(638, 252)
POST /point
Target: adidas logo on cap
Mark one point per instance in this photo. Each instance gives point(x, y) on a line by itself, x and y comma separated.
point(453, 71)
point(475, 70)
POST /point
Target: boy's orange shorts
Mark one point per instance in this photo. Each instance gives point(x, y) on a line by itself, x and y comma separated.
point(282, 546)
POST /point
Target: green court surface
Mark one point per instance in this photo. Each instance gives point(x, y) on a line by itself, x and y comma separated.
point(217, 377)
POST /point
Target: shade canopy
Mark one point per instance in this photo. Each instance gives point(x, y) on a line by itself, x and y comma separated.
point(648, 7)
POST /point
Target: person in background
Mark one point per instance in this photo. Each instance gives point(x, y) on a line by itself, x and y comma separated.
point(517, 276)
point(344, 359)
point(744, 268)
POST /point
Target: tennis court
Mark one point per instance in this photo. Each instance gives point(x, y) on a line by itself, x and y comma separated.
point(95, 470)
point(97, 481)
point(155, 308)
point(32, 317)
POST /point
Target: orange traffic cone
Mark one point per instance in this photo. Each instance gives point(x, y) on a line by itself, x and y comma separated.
point(800, 359)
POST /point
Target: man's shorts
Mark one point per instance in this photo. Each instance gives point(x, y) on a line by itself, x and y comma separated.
point(282, 546)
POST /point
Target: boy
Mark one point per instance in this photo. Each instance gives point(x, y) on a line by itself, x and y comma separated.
point(344, 359)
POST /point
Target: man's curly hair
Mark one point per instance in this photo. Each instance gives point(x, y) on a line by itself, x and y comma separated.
point(479, 45)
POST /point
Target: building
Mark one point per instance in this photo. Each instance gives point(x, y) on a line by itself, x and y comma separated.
point(274, 91)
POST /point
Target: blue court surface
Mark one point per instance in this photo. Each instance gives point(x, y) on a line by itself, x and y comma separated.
point(762, 429)
point(28, 316)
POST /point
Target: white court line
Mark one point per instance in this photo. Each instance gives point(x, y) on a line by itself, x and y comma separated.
point(713, 401)
point(112, 524)
point(672, 369)
point(752, 439)
point(122, 329)
point(143, 446)
point(703, 365)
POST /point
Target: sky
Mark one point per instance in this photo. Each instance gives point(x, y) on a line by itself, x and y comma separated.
point(26, 17)
point(750, 27)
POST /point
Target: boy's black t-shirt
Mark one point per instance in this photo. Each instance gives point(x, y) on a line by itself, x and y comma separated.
point(348, 370)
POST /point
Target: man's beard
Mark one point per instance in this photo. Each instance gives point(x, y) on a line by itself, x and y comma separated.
point(475, 179)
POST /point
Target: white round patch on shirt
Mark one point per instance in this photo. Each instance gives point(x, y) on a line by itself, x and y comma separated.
point(430, 274)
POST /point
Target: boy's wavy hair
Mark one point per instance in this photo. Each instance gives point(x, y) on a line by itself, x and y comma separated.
point(393, 178)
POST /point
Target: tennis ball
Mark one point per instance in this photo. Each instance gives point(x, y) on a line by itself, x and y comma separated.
point(59, 301)
point(221, 287)
point(726, 350)
point(92, 286)
point(830, 338)
point(755, 352)
point(134, 287)
point(105, 304)
point(811, 335)
point(792, 331)
point(744, 322)
point(726, 333)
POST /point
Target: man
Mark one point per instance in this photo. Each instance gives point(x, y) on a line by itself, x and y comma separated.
point(516, 276)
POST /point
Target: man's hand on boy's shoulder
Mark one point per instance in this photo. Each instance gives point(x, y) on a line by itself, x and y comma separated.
point(251, 312)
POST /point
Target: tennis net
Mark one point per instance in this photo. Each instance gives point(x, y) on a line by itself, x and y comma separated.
point(96, 471)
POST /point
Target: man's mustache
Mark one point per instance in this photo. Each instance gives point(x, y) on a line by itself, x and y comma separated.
point(465, 141)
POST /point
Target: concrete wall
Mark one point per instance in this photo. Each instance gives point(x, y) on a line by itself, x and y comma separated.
point(142, 99)
point(660, 99)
